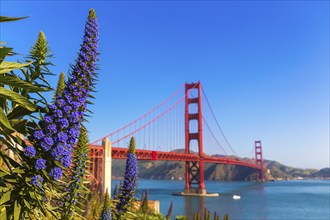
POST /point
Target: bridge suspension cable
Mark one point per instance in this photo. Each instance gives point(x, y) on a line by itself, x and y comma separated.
point(215, 138)
point(150, 122)
point(217, 122)
point(140, 118)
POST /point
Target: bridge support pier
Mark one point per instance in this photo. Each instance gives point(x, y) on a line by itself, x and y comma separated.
point(107, 163)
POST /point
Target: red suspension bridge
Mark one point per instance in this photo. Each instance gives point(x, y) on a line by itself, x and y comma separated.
point(176, 123)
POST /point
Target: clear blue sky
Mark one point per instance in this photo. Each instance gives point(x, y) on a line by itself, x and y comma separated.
point(263, 64)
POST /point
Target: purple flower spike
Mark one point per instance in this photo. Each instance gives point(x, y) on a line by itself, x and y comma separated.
point(60, 126)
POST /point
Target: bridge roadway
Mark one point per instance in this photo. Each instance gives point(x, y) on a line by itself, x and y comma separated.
point(121, 153)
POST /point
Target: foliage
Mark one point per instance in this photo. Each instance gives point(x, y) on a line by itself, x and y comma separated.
point(206, 215)
point(20, 98)
point(93, 208)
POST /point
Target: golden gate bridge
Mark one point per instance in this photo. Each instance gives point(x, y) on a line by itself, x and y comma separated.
point(176, 123)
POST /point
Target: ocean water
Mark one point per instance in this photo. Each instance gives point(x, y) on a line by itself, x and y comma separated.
point(285, 200)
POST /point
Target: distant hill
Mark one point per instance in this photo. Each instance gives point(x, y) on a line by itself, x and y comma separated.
point(168, 170)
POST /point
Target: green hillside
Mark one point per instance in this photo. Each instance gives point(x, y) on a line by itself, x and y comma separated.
point(167, 170)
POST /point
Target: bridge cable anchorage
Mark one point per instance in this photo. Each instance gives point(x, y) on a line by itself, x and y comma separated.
point(143, 116)
point(216, 120)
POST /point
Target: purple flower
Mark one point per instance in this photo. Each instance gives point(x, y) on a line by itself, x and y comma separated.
point(52, 107)
point(40, 164)
point(64, 123)
point(45, 146)
point(38, 134)
point(48, 141)
point(76, 105)
point(62, 136)
point(58, 151)
point(66, 161)
point(37, 180)
point(72, 140)
point(67, 109)
point(56, 173)
point(74, 117)
point(52, 128)
point(60, 102)
point(58, 113)
point(73, 132)
point(30, 151)
point(48, 119)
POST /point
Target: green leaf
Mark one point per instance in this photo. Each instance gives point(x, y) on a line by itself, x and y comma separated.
point(18, 170)
point(6, 67)
point(15, 97)
point(27, 203)
point(6, 19)
point(3, 214)
point(19, 125)
point(4, 122)
point(17, 210)
point(15, 82)
point(32, 195)
point(5, 198)
point(11, 180)
point(17, 112)
point(4, 51)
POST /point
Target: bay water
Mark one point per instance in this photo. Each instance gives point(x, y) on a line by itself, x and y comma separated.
point(296, 200)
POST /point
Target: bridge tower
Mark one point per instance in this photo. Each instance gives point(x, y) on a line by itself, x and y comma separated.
point(259, 161)
point(194, 169)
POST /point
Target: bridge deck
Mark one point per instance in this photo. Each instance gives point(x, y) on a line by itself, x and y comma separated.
point(121, 153)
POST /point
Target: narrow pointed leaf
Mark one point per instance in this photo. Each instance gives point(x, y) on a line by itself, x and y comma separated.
point(15, 82)
point(4, 51)
point(3, 214)
point(4, 122)
point(6, 19)
point(5, 198)
point(14, 97)
point(6, 67)
point(17, 210)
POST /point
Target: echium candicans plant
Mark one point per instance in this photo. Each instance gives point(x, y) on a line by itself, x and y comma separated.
point(76, 189)
point(51, 141)
point(129, 184)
